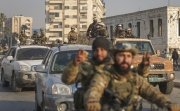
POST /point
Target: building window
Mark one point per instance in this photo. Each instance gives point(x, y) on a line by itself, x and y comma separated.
point(130, 25)
point(151, 27)
point(83, 16)
point(111, 31)
point(138, 29)
point(58, 7)
point(84, 26)
point(56, 14)
point(84, 8)
point(55, 26)
point(179, 27)
point(160, 27)
point(74, 16)
point(60, 34)
point(66, 26)
point(60, 25)
point(74, 7)
point(66, 7)
point(66, 16)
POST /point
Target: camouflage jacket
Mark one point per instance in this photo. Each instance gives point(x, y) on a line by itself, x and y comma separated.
point(82, 73)
point(91, 29)
point(85, 71)
point(72, 36)
point(126, 89)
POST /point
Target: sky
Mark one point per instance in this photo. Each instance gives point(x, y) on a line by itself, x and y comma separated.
point(36, 8)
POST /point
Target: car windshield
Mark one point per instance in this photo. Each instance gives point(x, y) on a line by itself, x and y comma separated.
point(31, 53)
point(142, 46)
point(61, 59)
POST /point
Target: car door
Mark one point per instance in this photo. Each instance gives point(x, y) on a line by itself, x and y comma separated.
point(6, 64)
point(41, 78)
point(10, 64)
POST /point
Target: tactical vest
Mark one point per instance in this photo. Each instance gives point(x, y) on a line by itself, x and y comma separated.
point(87, 72)
point(125, 92)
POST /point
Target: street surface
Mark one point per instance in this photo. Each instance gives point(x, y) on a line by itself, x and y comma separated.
point(24, 101)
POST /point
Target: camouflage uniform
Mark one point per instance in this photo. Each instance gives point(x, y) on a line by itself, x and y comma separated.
point(92, 28)
point(82, 73)
point(97, 30)
point(128, 33)
point(119, 32)
point(125, 88)
point(72, 37)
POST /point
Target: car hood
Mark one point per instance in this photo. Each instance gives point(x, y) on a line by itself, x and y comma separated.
point(55, 78)
point(155, 60)
point(30, 62)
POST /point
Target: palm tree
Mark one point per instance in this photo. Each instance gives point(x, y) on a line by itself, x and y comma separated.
point(24, 28)
point(2, 20)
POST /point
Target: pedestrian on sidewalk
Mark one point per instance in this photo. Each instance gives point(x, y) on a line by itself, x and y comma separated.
point(175, 57)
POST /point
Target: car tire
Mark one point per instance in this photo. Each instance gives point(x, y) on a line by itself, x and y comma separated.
point(4, 82)
point(43, 104)
point(37, 107)
point(14, 86)
point(166, 87)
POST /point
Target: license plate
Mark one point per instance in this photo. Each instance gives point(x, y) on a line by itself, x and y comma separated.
point(153, 79)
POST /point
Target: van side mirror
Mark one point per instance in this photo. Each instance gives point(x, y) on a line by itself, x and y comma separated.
point(10, 58)
point(40, 68)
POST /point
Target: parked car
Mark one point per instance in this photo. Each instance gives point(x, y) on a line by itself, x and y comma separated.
point(161, 70)
point(17, 66)
point(50, 92)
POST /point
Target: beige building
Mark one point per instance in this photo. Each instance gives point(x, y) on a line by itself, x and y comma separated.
point(16, 23)
point(162, 25)
point(61, 15)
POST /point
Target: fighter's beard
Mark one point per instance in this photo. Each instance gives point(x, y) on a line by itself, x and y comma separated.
point(122, 70)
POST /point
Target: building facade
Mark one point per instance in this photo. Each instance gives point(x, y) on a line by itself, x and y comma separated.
point(16, 23)
point(160, 25)
point(61, 15)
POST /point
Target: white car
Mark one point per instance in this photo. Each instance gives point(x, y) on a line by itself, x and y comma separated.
point(17, 66)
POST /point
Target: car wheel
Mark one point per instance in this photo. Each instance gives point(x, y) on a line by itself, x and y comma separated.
point(14, 84)
point(37, 107)
point(4, 82)
point(166, 87)
point(43, 104)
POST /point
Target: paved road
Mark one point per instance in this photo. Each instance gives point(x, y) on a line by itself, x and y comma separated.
point(12, 101)
point(24, 101)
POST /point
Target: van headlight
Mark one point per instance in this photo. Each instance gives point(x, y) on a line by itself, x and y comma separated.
point(24, 68)
point(61, 89)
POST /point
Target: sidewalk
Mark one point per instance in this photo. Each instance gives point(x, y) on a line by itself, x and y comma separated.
point(177, 83)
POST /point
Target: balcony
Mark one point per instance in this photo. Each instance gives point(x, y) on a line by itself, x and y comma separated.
point(55, 29)
point(55, 1)
point(83, 1)
point(57, 20)
point(83, 10)
point(83, 19)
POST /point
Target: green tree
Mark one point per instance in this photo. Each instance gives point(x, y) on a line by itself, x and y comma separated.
point(24, 28)
point(35, 37)
point(43, 38)
point(22, 36)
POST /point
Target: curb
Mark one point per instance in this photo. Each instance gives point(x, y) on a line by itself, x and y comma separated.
point(177, 84)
